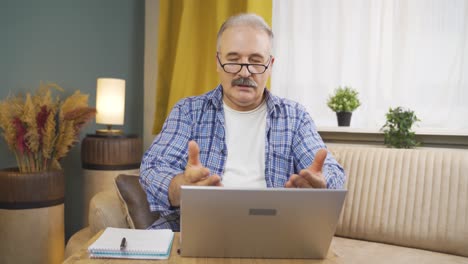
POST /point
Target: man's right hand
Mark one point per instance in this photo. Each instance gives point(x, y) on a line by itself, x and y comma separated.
point(195, 174)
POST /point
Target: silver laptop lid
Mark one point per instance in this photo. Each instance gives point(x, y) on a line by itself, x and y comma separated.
point(258, 223)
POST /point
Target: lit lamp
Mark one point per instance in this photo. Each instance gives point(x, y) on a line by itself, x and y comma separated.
point(109, 152)
point(110, 104)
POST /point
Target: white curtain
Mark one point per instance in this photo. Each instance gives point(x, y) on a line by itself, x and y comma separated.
point(410, 53)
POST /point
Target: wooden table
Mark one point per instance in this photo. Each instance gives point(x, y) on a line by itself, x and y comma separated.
point(82, 257)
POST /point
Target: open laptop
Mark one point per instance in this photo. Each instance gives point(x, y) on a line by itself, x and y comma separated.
point(258, 223)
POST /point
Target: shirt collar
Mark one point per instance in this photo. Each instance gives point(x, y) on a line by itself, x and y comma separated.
point(272, 101)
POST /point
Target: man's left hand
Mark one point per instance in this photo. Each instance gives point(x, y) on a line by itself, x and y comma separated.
point(310, 177)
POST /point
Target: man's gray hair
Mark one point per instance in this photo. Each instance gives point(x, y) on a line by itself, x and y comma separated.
point(244, 19)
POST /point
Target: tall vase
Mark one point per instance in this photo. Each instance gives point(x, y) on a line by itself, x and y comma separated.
point(344, 118)
point(32, 216)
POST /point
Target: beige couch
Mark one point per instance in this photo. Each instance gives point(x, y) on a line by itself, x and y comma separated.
point(403, 206)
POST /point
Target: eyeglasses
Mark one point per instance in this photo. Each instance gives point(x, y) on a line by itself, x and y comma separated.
point(237, 67)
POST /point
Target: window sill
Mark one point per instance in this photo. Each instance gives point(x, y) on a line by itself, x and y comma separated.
point(427, 137)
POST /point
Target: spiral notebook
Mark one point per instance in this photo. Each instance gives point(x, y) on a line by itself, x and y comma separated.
point(139, 244)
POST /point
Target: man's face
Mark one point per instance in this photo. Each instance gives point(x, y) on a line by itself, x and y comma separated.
point(244, 44)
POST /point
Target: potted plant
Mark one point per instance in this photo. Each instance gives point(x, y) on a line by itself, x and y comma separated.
point(39, 129)
point(397, 129)
point(344, 101)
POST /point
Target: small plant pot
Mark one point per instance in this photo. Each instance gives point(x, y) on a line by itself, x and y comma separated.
point(344, 118)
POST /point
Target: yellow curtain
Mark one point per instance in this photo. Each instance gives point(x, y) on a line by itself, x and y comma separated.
point(187, 47)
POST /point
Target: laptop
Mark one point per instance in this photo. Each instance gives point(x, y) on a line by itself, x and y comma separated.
point(258, 223)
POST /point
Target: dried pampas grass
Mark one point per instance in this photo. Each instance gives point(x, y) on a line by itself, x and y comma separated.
point(41, 129)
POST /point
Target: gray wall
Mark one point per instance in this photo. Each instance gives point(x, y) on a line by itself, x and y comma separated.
point(73, 43)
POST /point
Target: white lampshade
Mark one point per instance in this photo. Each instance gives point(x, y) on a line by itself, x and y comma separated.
point(110, 101)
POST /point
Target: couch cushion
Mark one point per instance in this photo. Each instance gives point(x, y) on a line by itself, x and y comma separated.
point(350, 251)
point(415, 198)
point(134, 202)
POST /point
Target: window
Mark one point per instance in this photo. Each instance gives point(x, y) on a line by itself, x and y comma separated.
point(395, 53)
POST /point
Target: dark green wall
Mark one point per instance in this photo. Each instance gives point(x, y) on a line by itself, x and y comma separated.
point(72, 43)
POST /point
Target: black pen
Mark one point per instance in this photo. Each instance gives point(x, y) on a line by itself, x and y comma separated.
point(123, 244)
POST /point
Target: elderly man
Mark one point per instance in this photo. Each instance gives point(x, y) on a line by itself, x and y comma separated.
point(237, 135)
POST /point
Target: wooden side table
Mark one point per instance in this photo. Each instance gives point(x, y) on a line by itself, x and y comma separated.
point(103, 158)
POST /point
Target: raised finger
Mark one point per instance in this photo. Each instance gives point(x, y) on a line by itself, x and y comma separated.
point(319, 159)
point(193, 154)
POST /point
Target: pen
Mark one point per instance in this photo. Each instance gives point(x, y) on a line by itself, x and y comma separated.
point(123, 244)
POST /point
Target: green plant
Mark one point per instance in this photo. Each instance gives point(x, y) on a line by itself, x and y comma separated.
point(397, 129)
point(344, 100)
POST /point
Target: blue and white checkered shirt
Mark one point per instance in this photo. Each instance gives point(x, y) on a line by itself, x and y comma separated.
point(290, 146)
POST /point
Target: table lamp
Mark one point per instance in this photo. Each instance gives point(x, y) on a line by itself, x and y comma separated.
point(110, 104)
point(109, 152)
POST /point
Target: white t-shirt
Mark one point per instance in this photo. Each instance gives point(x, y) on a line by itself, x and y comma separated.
point(245, 139)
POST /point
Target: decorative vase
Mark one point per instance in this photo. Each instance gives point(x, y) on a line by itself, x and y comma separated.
point(344, 118)
point(32, 216)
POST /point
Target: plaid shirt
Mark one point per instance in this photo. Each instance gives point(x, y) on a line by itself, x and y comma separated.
point(290, 146)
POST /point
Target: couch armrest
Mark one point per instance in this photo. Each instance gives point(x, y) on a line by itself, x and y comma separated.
point(105, 210)
point(77, 241)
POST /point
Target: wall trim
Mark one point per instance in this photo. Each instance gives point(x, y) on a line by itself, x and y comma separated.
point(428, 138)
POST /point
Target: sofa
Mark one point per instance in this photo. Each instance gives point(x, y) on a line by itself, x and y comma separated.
point(402, 206)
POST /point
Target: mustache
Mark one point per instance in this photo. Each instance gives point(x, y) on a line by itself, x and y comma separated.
point(244, 82)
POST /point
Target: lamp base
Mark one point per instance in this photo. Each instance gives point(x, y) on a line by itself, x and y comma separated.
point(109, 132)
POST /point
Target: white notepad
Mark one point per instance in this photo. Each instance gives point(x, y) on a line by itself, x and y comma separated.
point(140, 244)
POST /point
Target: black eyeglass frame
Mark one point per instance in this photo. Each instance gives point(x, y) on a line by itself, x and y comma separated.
point(247, 65)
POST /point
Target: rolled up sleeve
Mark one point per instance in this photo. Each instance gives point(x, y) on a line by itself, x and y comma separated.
point(306, 143)
point(166, 158)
